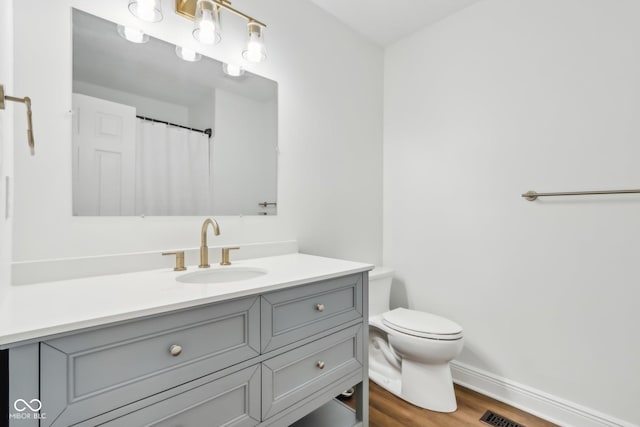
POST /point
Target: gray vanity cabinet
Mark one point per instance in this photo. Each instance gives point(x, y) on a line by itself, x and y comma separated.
point(94, 372)
point(272, 359)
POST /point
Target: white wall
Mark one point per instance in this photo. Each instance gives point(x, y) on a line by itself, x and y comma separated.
point(330, 121)
point(202, 115)
point(6, 137)
point(505, 97)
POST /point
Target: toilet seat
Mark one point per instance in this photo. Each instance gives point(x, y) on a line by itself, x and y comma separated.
point(421, 324)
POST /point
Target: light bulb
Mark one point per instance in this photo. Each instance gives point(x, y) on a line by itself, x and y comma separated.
point(233, 70)
point(207, 22)
point(187, 54)
point(255, 50)
point(132, 34)
point(146, 10)
point(207, 28)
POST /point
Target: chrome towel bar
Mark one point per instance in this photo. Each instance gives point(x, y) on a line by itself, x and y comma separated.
point(532, 195)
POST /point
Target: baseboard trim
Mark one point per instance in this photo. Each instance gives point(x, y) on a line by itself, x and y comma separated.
point(536, 402)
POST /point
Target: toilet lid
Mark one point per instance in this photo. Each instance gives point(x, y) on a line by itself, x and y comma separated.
point(421, 324)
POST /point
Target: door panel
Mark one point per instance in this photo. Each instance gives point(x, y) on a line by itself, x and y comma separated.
point(104, 153)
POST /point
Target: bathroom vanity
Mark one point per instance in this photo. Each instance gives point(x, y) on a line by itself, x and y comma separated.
point(145, 349)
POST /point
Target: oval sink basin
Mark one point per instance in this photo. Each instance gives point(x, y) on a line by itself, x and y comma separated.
point(222, 275)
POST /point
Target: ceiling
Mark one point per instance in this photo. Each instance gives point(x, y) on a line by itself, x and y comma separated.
point(386, 22)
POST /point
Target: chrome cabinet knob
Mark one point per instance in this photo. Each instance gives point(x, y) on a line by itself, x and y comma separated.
point(320, 364)
point(175, 350)
point(320, 307)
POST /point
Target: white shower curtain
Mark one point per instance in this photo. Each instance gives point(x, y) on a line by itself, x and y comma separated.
point(172, 170)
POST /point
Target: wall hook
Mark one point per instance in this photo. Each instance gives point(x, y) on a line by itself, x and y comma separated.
point(27, 102)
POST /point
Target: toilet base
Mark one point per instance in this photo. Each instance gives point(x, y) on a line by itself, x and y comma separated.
point(428, 386)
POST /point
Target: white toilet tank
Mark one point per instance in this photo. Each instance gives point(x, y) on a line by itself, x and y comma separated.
point(379, 290)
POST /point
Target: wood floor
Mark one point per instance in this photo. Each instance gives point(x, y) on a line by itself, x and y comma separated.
point(387, 410)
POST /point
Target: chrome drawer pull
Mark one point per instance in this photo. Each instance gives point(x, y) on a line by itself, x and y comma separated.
point(320, 364)
point(320, 307)
point(175, 350)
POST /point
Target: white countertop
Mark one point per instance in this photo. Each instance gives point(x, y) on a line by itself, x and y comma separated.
point(33, 311)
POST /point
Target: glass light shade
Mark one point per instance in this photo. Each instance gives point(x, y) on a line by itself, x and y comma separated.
point(255, 50)
point(207, 22)
point(232, 70)
point(132, 34)
point(146, 10)
point(188, 55)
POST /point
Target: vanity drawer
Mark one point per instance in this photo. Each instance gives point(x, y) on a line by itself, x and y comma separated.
point(295, 375)
point(293, 314)
point(109, 367)
point(231, 401)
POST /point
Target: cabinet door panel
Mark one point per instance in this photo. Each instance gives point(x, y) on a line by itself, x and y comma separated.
point(231, 401)
point(293, 314)
point(292, 376)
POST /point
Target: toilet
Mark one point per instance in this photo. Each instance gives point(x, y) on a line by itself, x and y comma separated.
point(409, 350)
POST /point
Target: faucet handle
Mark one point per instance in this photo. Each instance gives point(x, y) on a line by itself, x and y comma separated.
point(179, 260)
point(225, 255)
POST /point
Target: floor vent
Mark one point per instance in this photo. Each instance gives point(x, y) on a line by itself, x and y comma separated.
point(497, 420)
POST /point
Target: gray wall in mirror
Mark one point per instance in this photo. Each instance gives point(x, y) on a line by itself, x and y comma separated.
point(127, 165)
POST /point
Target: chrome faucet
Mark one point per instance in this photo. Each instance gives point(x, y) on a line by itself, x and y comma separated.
point(204, 249)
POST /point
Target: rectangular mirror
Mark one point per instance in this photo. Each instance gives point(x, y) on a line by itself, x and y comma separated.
point(154, 134)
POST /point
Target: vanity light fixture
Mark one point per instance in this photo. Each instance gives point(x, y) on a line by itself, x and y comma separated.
point(232, 70)
point(255, 50)
point(206, 17)
point(146, 10)
point(132, 34)
point(207, 22)
point(187, 54)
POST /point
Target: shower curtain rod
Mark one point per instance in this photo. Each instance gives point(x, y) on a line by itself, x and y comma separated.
point(207, 131)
